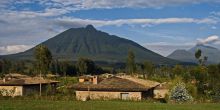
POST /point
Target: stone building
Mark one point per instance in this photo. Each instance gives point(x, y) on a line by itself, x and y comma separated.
point(22, 85)
point(126, 88)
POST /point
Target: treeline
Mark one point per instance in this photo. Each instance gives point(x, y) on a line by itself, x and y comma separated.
point(63, 68)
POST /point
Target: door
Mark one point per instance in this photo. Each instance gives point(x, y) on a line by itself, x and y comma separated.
point(124, 96)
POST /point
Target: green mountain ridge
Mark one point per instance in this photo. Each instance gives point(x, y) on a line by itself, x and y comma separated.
point(96, 45)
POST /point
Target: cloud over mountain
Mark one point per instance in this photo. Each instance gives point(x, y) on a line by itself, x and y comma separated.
point(209, 40)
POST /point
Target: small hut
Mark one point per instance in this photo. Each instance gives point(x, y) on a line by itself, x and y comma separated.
point(23, 85)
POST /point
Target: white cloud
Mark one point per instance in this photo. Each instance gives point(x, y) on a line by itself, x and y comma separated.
point(209, 40)
point(88, 4)
point(72, 21)
point(10, 49)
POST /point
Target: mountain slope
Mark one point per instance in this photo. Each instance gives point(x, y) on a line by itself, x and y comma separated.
point(212, 53)
point(96, 45)
point(182, 55)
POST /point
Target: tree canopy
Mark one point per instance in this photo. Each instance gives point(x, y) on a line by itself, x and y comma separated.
point(131, 66)
point(43, 58)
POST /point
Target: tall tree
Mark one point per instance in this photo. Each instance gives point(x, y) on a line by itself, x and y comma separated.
point(148, 68)
point(6, 65)
point(131, 66)
point(198, 54)
point(43, 58)
point(63, 67)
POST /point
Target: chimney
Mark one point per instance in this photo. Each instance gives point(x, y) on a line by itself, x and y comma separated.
point(95, 80)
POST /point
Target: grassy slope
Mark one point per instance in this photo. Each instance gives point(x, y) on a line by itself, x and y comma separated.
point(99, 105)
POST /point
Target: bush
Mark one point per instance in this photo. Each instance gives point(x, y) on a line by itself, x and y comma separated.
point(179, 94)
point(192, 89)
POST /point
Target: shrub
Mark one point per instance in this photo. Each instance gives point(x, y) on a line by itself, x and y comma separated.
point(192, 89)
point(179, 94)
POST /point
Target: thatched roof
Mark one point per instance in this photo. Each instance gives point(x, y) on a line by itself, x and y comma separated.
point(145, 82)
point(113, 84)
point(26, 81)
point(16, 75)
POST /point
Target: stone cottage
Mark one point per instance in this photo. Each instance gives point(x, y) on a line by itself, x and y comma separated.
point(125, 88)
point(22, 85)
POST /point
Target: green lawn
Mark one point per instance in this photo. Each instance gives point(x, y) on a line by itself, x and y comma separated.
point(99, 105)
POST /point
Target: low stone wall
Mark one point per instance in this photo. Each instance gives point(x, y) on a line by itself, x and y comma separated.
point(104, 95)
point(160, 93)
point(11, 90)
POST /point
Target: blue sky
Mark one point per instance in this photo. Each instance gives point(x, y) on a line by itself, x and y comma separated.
point(159, 25)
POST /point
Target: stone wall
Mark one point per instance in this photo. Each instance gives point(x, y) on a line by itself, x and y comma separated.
point(11, 90)
point(104, 95)
point(160, 93)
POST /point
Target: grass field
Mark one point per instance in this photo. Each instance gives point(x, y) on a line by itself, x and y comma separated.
point(99, 105)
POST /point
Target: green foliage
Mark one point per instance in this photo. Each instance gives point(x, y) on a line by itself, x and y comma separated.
point(179, 94)
point(148, 68)
point(192, 89)
point(1, 66)
point(130, 65)
point(198, 53)
point(43, 58)
point(177, 70)
point(214, 83)
point(200, 73)
point(6, 65)
point(48, 90)
point(85, 66)
point(18, 67)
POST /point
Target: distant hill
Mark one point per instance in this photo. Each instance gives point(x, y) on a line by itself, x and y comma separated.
point(96, 45)
point(212, 53)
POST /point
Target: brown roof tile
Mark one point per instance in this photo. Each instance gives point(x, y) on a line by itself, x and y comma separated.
point(112, 84)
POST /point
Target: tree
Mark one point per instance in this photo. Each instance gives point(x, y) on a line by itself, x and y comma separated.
point(17, 67)
point(43, 58)
point(205, 59)
point(85, 66)
point(131, 66)
point(178, 70)
point(148, 68)
point(63, 67)
point(6, 65)
point(198, 54)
